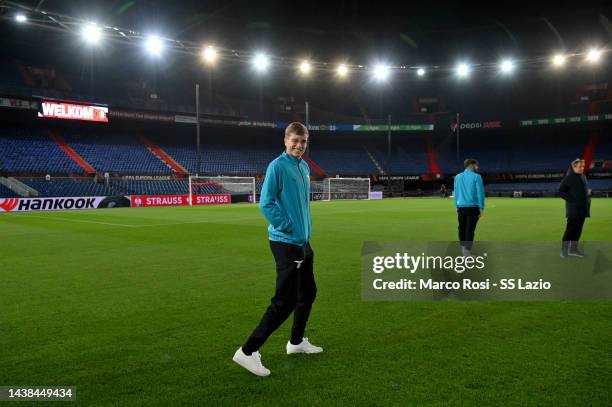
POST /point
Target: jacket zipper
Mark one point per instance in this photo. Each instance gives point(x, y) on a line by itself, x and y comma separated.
point(304, 185)
point(302, 177)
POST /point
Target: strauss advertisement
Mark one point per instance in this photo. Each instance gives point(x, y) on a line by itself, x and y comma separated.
point(96, 202)
point(179, 200)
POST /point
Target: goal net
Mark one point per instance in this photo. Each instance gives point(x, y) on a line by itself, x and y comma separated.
point(346, 188)
point(241, 189)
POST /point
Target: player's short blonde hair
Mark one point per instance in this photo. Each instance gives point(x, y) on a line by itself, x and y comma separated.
point(296, 128)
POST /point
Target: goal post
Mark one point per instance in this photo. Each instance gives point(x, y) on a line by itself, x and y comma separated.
point(346, 188)
point(241, 189)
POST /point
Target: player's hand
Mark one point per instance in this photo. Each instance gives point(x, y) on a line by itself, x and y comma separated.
point(481, 214)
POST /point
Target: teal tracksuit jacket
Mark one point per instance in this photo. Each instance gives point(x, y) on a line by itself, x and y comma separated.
point(469, 190)
point(285, 200)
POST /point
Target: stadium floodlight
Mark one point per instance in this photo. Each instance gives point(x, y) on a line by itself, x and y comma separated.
point(91, 33)
point(463, 70)
point(209, 54)
point(21, 18)
point(381, 72)
point(261, 62)
point(506, 66)
point(154, 45)
point(305, 67)
point(594, 55)
point(342, 70)
point(559, 60)
point(421, 71)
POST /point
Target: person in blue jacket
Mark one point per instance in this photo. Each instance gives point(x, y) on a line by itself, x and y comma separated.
point(285, 203)
point(470, 203)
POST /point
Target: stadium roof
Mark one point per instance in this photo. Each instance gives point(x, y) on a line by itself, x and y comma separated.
point(358, 32)
point(427, 32)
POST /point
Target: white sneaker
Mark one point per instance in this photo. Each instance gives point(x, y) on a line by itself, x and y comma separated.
point(251, 363)
point(304, 347)
point(466, 253)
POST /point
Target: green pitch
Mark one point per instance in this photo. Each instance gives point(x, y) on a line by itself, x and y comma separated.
point(147, 306)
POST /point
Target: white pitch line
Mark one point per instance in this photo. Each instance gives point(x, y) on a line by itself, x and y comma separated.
point(194, 222)
point(81, 221)
point(232, 220)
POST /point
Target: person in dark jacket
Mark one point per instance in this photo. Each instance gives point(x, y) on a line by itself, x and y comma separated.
point(575, 191)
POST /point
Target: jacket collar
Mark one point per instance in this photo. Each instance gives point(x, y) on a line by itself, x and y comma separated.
point(290, 157)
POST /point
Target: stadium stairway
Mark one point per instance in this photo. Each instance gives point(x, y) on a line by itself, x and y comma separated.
point(18, 187)
point(7, 193)
point(589, 151)
point(71, 153)
point(374, 161)
point(314, 167)
point(432, 159)
point(164, 157)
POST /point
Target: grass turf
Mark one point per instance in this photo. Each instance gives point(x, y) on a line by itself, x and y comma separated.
point(147, 306)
